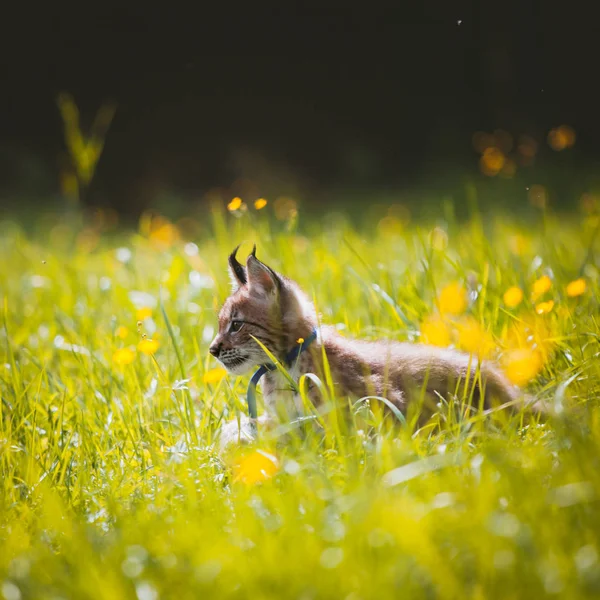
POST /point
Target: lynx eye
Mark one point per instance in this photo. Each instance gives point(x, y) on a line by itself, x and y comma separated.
point(235, 326)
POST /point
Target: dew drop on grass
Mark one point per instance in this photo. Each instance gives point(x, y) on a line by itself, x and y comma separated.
point(200, 280)
point(191, 249)
point(291, 467)
point(123, 255)
point(208, 333)
point(331, 558)
point(132, 567)
point(193, 308)
point(504, 524)
point(10, 591)
point(146, 591)
point(570, 494)
point(333, 531)
point(142, 299)
point(38, 281)
point(442, 500)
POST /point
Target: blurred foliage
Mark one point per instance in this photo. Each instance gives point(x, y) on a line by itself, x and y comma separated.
point(110, 484)
point(84, 149)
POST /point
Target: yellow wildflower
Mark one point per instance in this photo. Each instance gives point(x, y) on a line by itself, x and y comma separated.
point(255, 468)
point(214, 375)
point(513, 296)
point(544, 307)
point(235, 204)
point(453, 299)
point(562, 137)
point(123, 356)
point(532, 333)
point(435, 331)
point(576, 288)
point(522, 365)
point(260, 203)
point(492, 161)
point(300, 341)
point(474, 339)
point(148, 346)
point(143, 313)
point(163, 234)
point(541, 286)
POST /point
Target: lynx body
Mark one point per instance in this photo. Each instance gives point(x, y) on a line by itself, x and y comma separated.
point(269, 307)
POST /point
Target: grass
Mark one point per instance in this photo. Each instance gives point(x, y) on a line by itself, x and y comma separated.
point(110, 483)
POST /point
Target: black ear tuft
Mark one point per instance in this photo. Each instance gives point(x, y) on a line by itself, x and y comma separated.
point(236, 268)
point(253, 253)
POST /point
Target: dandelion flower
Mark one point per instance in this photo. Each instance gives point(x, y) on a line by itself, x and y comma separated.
point(453, 299)
point(513, 296)
point(162, 233)
point(143, 313)
point(123, 356)
point(474, 339)
point(531, 333)
point(562, 137)
point(522, 365)
point(576, 288)
point(148, 346)
point(214, 375)
point(260, 203)
point(544, 308)
point(435, 332)
point(492, 161)
point(235, 204)
point(541, 286)
point(255, 468)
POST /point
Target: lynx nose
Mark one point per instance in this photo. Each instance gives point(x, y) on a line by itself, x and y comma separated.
point(215, 349)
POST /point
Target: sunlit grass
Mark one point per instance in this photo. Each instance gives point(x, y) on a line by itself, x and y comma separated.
point(111, 484)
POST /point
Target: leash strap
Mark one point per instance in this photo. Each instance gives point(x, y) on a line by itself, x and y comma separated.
point(292, 355)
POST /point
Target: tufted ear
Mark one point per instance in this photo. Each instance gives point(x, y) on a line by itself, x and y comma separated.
point(237, 273)
point(262, 280)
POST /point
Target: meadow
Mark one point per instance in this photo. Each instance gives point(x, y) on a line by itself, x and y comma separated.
point(111, 482)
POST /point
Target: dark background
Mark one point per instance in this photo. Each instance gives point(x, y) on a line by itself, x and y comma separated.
point(312, 102)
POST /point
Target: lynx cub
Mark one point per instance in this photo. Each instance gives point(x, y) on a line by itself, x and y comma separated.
point(273, 309)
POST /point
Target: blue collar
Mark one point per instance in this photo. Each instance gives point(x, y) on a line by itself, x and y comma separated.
point(292, 355)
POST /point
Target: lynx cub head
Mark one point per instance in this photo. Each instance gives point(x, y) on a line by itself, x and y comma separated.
point(265, 305)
